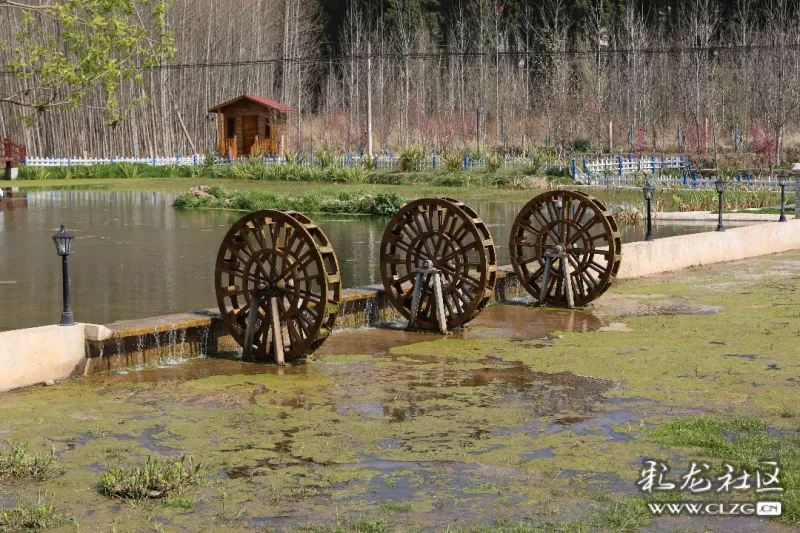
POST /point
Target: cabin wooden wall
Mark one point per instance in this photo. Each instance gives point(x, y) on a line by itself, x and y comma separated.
point(278, 123)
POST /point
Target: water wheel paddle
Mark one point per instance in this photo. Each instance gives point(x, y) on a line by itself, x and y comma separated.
point(445, 235)
point(565, 248)
point(282, 262)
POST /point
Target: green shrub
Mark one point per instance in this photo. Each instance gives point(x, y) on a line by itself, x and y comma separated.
point(582, 146)
point(218, 190)
point(326, 158)
point(453, 161)
point(16, 462)
point(151, 480)
point(93, 171)
point(221, 171)
point(451, 181)
point(558, 172)
point(735, 197)
point(210, 159)
point(387, 205)
point(253, 200)
point(63, 173)
point(492, 162)
point(33, 173)
point(128, 170)
point(410, 158)
point(31, 516)
point(369, 162)
point(172, 171)
point(530, 168)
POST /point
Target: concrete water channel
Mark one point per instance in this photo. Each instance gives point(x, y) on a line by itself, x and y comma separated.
point(136, 256)
point(533, 418)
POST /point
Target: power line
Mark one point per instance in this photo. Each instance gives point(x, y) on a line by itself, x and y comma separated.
point(520, 54)
point(443, 54)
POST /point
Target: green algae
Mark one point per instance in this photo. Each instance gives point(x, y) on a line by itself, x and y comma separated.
point(458, 430)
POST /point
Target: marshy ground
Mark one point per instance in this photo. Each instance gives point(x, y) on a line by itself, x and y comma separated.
point(531, 420)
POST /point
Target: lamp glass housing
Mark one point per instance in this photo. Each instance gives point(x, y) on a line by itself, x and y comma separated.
point(648, 191)
point(719, 184)
point(63, 242)
point(783, 178)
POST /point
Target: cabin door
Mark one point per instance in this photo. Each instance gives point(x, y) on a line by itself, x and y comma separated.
point(249, 132)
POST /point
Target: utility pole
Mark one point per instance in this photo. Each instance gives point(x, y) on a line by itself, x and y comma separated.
point(478, 131)
point(369, 97)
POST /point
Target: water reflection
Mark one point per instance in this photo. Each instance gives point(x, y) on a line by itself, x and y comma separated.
point(136, 256)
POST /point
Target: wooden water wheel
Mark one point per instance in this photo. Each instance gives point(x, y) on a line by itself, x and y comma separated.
point(284, 262)
point(565, 248)
point(445, 235)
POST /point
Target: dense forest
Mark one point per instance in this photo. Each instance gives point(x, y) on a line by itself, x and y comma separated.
point(660, 75)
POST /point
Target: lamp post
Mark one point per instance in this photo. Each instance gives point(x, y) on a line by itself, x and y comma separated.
point(719, 184)
point(783, 180)
point(796, 172)
point(63, 242)
point(648, 190)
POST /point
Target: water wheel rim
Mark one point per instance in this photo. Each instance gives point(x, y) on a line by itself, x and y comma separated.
point(288, 250)
point(583, 228)
point(615, 228)
point(456, 241)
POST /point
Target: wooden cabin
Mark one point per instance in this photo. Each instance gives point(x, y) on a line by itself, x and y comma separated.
point(252, 125)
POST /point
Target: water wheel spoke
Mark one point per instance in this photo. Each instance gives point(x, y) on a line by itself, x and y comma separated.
point(525, 225)
point(469, 280)
point(460, 251)
point(592, 251)
point(546, 226)
point(597, 267)
point(400, 280)
point(443, 229)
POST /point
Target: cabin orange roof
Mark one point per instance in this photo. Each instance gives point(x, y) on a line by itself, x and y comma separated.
point(257, 99)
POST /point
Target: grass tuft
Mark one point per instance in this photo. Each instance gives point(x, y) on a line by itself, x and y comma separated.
point(151, 480)
point(743, 443)
point(355, 525)
point(627, 514)
point(180, 502)
point(391, 507)
point(16, 462)
point(31, 516)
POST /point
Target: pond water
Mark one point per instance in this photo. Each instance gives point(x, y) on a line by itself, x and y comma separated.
point(136, 256)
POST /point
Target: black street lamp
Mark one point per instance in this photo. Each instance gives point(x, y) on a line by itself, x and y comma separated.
point(63, 241)
point(648, 190)
point(783, 181)
point(719, 184)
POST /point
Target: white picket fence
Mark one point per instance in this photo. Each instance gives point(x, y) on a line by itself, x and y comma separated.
point(579, 169)
point(695, 181)
point(156, 161)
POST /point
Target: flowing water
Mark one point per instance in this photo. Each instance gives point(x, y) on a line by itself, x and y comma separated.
point(136, 256)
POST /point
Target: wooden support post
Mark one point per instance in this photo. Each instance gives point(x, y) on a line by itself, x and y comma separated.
point(441, 318)
point(424, 275)
point(252, 316)
point(274, 319)
point(277, 333)
point(567, 270)
point(548, 264)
